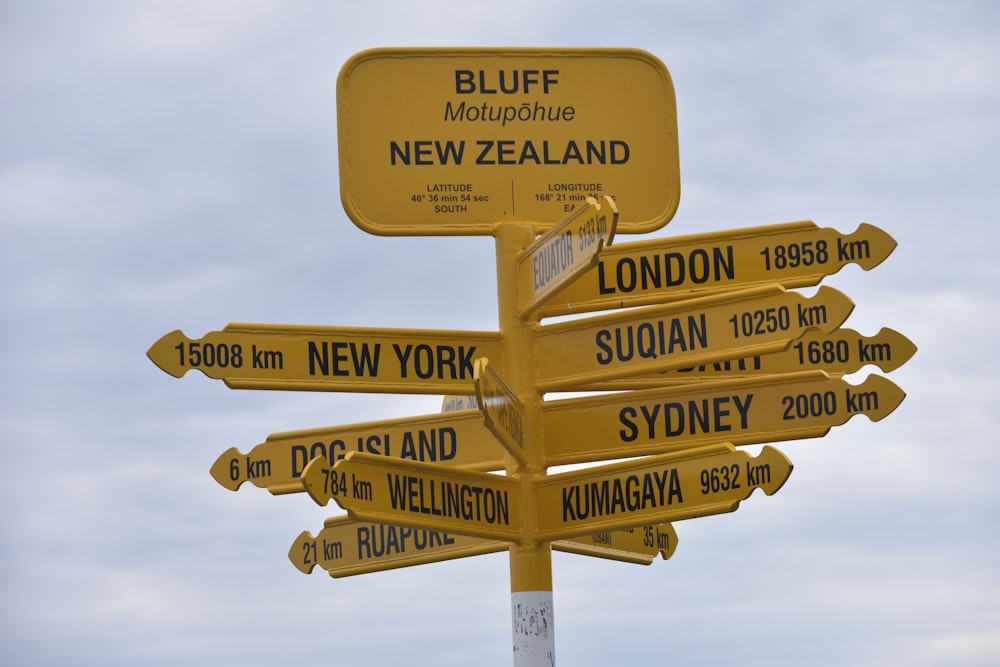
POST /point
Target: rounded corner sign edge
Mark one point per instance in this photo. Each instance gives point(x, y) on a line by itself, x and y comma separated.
point(454, 141)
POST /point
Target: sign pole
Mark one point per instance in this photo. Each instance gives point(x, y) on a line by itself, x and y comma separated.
point(532, 620)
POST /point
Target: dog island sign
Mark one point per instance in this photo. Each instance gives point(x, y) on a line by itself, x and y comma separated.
point(455, 141)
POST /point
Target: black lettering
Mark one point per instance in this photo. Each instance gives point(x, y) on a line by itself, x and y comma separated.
point(631, 431)
point(481, 158)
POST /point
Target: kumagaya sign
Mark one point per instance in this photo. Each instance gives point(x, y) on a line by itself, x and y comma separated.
point(454, 141)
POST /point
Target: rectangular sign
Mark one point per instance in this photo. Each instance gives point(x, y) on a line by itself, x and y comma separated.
point(457, 439)
point(795, 254)
point(501, 410)
point(580, 352)
point(419, 495)
point(319, 358)
point(836, 353)
point(452, 141)
point(740, 411)
point(565, 252)
point(669, 487)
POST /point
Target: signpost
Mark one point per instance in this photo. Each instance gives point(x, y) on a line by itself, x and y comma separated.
point(539, 148)
point(793, 254)
point(669, 487)
point(345, 547)
point(502, 412)
point(456, 403)
point(581, 352)
point(638, 545)
point(420, 495)
point(741, 411)
point(839, 352)
point(457, 439)
point(504, 135)
point(317, 358)
point(565, 252)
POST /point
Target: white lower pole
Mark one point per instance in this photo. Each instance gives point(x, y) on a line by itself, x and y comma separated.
point(534, 629)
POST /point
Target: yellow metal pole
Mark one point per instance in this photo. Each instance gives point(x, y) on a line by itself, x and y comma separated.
point(530, 561)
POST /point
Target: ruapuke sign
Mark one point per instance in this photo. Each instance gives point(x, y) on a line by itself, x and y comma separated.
point(455, 141)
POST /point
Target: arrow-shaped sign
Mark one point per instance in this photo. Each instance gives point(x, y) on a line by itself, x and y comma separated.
point(456, 439)
point(741, 411)
point(585, 351)
point(453, 403)
point(795, 254)
point(345, 547)
point(419, 495)
point(669, 487)
point(565, 252)
point(638, 545)
point(315, 358)
point(501, 409)
point(837, 353)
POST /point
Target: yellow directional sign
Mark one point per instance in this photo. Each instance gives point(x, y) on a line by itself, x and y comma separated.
point(454, 141)
point(669, 487)
point(500, 407)
point(419, 495)
point(795, 254)
point(838, 352)
point(740, 411)
point(584, 351)
point(638, 545)
point(454, 403)
point(346, 547)
point(565, 252)
point(317, 358)
point(537, 148)
point(457, 439)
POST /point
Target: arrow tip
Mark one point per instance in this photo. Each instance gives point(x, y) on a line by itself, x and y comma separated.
point(666, 536)
point(773, 468)
point(869, 246)
point(163, 353)
point(303, 551)
point(876, 397)
point(315, 479)
point(892, 349)
point(227, 470)
point(834, 307)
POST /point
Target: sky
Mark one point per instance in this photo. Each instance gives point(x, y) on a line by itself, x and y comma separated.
point(174, 165)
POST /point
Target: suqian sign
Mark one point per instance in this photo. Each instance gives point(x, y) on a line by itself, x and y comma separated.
point(454, 141)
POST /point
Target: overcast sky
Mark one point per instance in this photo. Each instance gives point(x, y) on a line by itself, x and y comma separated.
point(173, 165)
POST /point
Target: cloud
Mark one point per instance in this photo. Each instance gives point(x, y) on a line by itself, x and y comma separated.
point(39, 195)
point(174, 165)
